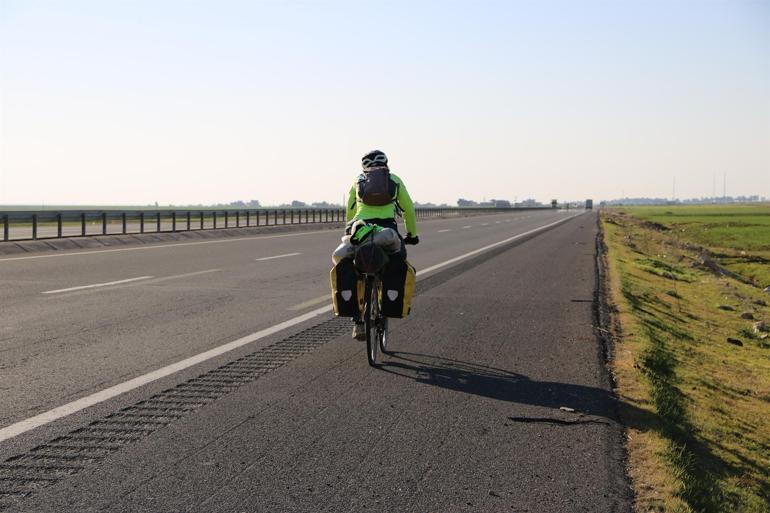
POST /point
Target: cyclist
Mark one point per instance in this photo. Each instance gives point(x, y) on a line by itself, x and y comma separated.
point(383, 215)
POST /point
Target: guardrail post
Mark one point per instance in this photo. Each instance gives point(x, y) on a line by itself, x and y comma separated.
point(123, 222)
point(275, 216)
point(141, 222)
point(157, 223)
point(238, 219)
point(104, 223)
point(34, 226)
point(173, 221)
point(5, 227)
point(292, 216)
point(83, 224)
point(227, 219)
point(215, 219)
point(284, 216)
point(58, 225)
point(201, 220)
point(248, 218)
point(188, 220)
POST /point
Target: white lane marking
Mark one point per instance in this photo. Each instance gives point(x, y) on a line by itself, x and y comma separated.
point(162, 246)
point(108, 393)
point(311, 302)
point(121, 388)
point(277, 256)
point(185, 275)
point(484, 224)
point(497, 222)
point(466, 227)
point(490, 246)
point(444, 231)
point(97, 285)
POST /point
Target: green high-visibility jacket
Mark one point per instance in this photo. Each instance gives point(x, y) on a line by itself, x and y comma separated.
point(357, 209)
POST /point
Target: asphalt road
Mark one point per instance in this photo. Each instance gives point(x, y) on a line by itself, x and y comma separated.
point(464, 416)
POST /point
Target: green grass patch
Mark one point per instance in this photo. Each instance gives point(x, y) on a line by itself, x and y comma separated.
point(738, 235)
point(702, 445)
point(665, 270)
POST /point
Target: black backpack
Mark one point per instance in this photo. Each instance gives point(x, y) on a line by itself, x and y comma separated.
point(375, 187)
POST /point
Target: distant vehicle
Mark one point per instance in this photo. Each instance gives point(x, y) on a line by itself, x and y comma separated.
point(589, 204)
point(554, 203)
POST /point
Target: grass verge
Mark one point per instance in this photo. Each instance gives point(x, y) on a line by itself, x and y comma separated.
point(692, 370)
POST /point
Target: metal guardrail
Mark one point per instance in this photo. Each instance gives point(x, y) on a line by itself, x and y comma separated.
point(53, 224)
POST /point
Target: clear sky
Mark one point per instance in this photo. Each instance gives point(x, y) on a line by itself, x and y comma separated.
point(132, 102)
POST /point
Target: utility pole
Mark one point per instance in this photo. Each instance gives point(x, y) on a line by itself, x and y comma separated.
point(724, 187)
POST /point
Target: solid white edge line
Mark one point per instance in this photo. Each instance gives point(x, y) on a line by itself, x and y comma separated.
point(121, 388)
point(97, 285)
point(80, 404)
point(276, 256)
point(485, 248)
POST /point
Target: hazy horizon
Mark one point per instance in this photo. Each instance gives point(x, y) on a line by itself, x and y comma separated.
point(185, 103)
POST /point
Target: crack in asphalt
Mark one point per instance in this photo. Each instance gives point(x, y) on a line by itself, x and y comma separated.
point(559, 422)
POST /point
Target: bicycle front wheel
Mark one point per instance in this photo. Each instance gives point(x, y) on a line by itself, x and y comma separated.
point(371, 311)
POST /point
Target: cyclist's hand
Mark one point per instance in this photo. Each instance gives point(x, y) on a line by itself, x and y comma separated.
point(411, 239)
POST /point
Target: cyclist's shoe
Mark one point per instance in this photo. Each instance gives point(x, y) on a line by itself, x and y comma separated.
point(359, 331)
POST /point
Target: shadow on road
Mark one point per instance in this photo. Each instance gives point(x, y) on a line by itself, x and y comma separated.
point(502, 385)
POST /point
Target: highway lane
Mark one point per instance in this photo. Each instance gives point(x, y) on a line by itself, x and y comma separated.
point(470, 413)
point(59, 346)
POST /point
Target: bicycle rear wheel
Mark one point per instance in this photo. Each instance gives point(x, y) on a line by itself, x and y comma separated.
point(382, 334)
point(371, 311)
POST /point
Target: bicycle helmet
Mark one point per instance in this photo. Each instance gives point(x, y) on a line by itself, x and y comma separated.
point(374, 158)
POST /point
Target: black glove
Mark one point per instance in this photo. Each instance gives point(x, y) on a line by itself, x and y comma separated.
point(412, 239)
